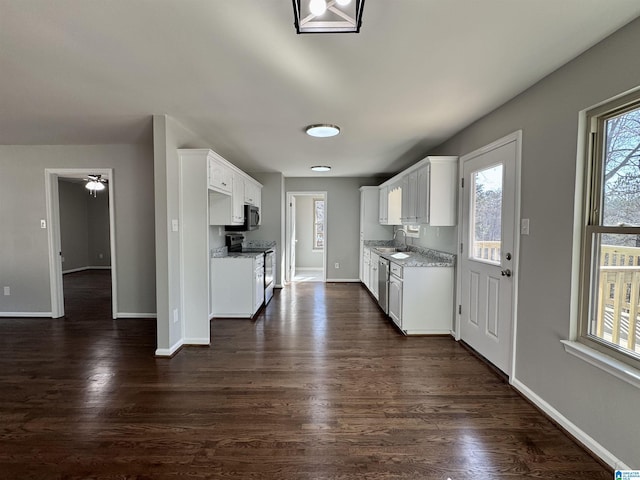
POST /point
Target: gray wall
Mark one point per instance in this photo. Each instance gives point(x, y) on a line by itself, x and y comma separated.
point(24, 262)
point(168, 136)
point(601, 405)
point(343, 219)
point(84, 226)
point(306, 256)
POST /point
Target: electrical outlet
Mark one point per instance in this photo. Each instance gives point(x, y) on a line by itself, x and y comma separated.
point(7, 291)
point(43, 223)
point(337, 265)
point(524, 226)
point(176, 317)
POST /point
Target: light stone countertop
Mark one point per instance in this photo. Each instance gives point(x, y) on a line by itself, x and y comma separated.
point(418, 256)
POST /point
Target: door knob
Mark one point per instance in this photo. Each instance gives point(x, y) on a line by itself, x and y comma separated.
point(506, 273)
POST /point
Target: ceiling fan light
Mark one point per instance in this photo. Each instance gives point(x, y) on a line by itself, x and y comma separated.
point(323, 130)
point(343, 3)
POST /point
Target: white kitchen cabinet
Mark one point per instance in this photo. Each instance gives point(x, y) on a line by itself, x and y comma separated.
point(422, 208)
point(383, 205)
point(442, 191)
point(237, 285)
point(394, 203)
point(395, 299)
point(366, 268)
point(373, 276)
point(424, 193)
point(409, 198)
point(421, 299)
point(220, 175)
point(252, 193)
point(370, 228)
point(237, 196)
point(229, 209)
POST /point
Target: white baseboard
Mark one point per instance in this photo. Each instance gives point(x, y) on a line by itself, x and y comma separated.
point(168, 352)
point(196, 341)
point(342, 280)
point(82, 269)
point(306, 269)
point(582, 437)
point(135, 315)
point(26, 314)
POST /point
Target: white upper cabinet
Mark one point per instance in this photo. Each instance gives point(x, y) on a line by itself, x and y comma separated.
point(409, 198)
point(383, 206)
point(220, 176)
point(425, 193)
point(442, 191)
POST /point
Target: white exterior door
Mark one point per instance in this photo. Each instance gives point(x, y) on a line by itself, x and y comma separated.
point(488, 260)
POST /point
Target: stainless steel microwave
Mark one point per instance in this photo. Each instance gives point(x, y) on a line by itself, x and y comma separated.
point(251, 220)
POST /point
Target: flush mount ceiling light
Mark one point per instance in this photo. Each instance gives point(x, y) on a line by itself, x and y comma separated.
point(95, 183)
point(322, 130)
point(328, 16)
point(321, 168)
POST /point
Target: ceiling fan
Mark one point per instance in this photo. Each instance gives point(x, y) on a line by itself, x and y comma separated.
point(95, 183)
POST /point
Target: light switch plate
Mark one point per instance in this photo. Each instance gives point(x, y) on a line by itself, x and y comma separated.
point(43, 223)
point(524, 226)
point(174, 225)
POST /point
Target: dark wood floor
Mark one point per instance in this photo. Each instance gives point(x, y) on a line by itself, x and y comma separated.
point(319, 386)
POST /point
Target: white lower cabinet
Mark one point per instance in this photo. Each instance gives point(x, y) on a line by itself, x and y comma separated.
point(366, 267)
point(373, 275)
point(421, 299)
point(237, 286)
point(395, 300)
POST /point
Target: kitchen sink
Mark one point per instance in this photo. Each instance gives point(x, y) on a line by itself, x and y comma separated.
point(386, 249)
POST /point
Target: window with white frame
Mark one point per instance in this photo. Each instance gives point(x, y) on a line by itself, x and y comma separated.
point(318, 224)
point(610, 266)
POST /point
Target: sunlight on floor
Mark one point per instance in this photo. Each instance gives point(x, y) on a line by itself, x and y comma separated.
point(311, 275)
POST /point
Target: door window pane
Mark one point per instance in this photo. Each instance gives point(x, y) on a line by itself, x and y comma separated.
point(486, 211)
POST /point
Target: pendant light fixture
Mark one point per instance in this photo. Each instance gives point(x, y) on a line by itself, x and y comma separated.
point(328, 16)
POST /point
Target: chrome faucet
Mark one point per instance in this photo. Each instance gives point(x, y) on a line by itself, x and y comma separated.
point(395, 234)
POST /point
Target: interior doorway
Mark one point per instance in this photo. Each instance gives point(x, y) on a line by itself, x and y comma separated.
point(93, 258)
point(305, 245)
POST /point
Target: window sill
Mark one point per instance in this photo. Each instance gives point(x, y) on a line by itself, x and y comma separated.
point(604, 362)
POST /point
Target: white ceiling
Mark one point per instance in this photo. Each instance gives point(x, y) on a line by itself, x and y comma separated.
point(235, 72)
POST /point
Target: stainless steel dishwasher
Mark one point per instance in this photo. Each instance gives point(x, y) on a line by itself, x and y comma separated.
point(383, 284)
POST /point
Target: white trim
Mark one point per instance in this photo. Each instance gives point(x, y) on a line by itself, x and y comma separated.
point(306, 269)
point(196, 341)
point(136, 315)
point(168, 352)
point(26, 314)
point(582, 437)
point(53, 218)
point(512, 137)
point(343, 280)
point(286, 278)
point(604, 362)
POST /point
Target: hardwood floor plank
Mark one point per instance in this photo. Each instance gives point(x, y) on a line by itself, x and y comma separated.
point(319, 386)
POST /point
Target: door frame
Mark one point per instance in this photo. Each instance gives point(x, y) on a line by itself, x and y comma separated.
point(517, 137)
point(53, 234)
point(288, 218)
